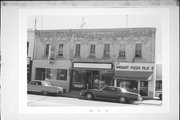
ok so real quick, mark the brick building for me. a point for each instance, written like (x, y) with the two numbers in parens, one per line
(91, 58)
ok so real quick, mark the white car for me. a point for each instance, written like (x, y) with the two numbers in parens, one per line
(44, 87)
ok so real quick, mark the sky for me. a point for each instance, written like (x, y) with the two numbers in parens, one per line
(99, 22)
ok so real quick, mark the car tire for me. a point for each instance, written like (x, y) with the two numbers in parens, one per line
(89, 96)
(122, 100)
(44, 92)
(160, 96)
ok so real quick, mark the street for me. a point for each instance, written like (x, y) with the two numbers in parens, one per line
(40, 100)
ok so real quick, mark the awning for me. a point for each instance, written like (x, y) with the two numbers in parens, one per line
(132, 75)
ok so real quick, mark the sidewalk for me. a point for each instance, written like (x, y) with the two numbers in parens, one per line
(76, 94)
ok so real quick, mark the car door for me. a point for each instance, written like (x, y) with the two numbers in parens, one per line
(111, 93)
(105, 93)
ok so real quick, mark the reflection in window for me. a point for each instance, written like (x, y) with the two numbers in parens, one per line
(40, 74)
(61, 74)
(79, 79)
(130, 85)
(106, 80)
(49, 74)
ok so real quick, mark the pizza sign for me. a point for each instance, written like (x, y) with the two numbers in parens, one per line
(134, 67)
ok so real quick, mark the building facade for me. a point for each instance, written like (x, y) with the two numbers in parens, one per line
(30, 49)
(92, 58)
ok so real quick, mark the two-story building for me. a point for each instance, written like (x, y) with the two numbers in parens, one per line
(92, 58)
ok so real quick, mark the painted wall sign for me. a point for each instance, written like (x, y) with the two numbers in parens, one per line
(134, 66)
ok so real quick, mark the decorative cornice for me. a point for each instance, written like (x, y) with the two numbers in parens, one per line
(53, 37)
(88, 36)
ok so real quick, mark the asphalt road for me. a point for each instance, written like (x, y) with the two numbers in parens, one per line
(40, 100)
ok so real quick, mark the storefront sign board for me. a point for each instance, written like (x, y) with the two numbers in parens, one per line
(93, 65)
(134, 66)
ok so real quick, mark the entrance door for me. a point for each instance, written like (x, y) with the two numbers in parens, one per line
(89, 79)
(144, 88)
(93, 79)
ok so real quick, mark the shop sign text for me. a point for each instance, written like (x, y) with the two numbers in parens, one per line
(134, 67)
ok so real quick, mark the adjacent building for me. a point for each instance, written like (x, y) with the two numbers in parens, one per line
(30, 49)
(92, 58)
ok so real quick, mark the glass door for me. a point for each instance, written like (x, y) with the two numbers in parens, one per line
(144, 88)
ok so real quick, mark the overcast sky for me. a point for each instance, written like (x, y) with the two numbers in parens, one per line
(100, 21)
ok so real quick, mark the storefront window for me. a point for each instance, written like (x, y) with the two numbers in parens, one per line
(79, 77)
(40, 74)
(106, 80)
(158, 85)
(144, 88)
(61, 74)
(130, 85)
(45, 74)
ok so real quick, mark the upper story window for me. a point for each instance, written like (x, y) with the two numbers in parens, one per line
(60, 53)
(122, 51)
(106, 50)
(138, 51)
(27, 48)
(77, 52)
(47, 50)
(92, 50)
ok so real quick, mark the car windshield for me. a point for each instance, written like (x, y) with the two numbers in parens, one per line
(46, 83)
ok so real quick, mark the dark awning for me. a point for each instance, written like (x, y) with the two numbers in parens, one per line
(132, 75)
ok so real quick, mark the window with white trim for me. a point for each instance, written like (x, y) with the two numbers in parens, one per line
(106, 50)
(92, 50)
(122, 51)
(60, 53)
(138, 51)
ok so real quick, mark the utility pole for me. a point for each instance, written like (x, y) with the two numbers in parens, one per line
(83, 23)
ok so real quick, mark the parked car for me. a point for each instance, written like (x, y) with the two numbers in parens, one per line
(158, 94)
(111, 92)
(44, 87)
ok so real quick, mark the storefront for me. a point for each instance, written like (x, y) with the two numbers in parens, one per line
(57, 72)
(135, 77)
(91, 75)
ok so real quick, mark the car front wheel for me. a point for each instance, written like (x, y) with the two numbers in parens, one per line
(89, 96)
(122, 99)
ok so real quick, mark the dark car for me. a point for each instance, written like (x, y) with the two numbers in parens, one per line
(111, 92)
